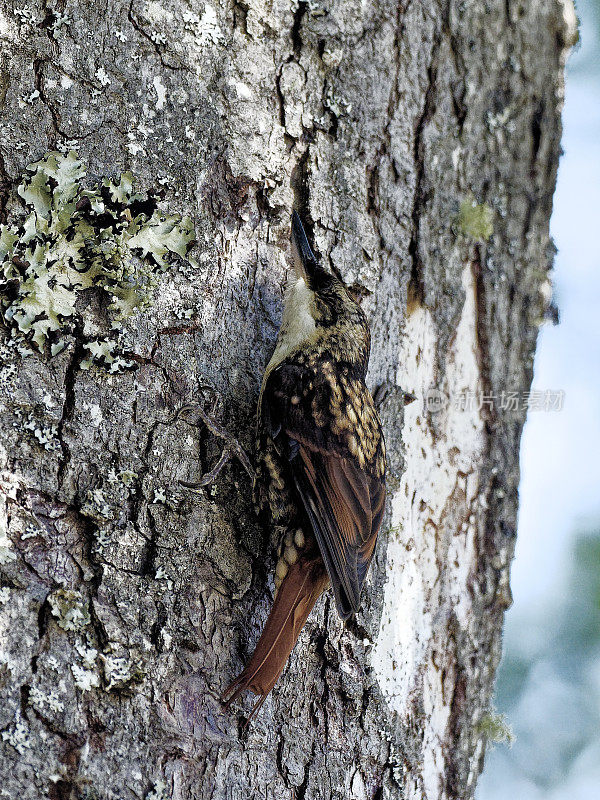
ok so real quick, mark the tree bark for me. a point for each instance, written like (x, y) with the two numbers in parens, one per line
(403, 133)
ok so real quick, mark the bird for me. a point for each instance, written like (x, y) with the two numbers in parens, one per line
(320, 460)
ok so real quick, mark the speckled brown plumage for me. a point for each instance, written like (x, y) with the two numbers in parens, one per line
(320, 461)
(320, 443)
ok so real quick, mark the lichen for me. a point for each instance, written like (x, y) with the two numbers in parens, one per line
(72, 239)
(104, 503)
(85, 679)
(6, 552)
(159, 496)
(475, 221)
(495, 728)
(70, 609)
(97, 506)
(88, 655)
(45, 701)
(18, 737)
(43, 432)
(158, 792)
(120, 671)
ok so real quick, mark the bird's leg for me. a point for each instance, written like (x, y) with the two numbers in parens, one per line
(232, 446)
(209, 477)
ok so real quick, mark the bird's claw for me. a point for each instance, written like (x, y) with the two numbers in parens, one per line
(232, 446)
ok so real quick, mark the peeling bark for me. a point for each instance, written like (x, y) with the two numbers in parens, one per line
(376, 120)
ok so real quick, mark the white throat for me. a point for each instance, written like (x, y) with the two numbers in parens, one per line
(298, 324)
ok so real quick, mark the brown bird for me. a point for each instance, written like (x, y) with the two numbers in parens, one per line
(320, 470)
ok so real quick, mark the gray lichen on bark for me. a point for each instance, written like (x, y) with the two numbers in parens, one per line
(127, 603)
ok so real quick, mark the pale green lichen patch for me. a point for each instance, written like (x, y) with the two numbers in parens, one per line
(45, 702)
(105, 502)
(18, 737)
(125, 476)
(45, 434)
(74, 239)
(120, 671)
(475, 221)
(97, 505)
(70, 609)
(85, 679)
(495, 728)
(105, 351)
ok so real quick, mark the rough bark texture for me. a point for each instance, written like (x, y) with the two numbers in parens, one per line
(375, 119)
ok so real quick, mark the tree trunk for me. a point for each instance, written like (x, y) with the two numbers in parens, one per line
(420, 143)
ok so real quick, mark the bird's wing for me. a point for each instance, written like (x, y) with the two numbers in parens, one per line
(343, 492)
(345, 507)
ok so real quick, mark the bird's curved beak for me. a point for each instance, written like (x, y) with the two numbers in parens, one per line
(304, 260)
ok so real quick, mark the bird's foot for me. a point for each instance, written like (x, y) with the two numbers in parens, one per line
(232, 446)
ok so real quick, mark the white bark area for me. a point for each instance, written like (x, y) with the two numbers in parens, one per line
(435, 517)
(126, 603)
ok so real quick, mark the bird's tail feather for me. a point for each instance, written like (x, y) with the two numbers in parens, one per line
(299, 591)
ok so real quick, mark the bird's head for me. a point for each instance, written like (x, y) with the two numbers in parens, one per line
(331, 304)
(319, 316)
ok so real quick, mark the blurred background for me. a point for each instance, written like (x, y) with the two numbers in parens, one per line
(548, 684)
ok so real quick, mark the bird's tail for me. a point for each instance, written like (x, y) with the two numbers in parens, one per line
(299, 591)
